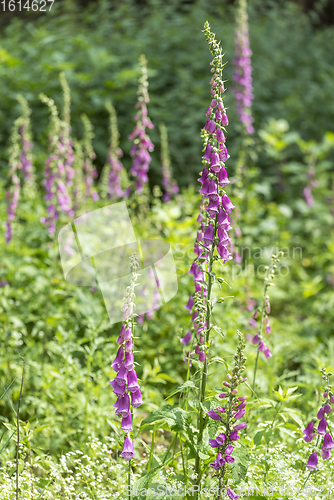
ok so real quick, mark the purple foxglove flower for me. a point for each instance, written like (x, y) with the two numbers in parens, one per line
(213, 103)
(221, 106)
(220, 409)
(127, 333)
(241, 406)
(127, 452)
(222, 217)
(208, 151)
(322, 427)
(240, 414)
(312, 462)
(133, 385)
(220, 135)
(205, 187)
(201, 356)
(121, 375)
(214, 443)
(227, 204)
(223, 395)
(223, 154)
(327, 408)
(136, 398)
(218, 115)
(226, 383)
(116, 364)
(332, 399)
(214, 415)
(220, 439)
(308, 438)
(212, 190)
(127, 423)
(326, 454)
(208, 111)
(119, 390)
(242, 398)
(212, 126)
(128, 346)
(215, 162)
(267, 352)
(229, 449)
(194, 316)
(214, 465)
(268, 329)
(328, 442)
(224, 119)
(122, 405)
(208, 235)
(224, 254)
(185, 340)
(207, 123)
(229, 459)
(223, 236)
(213, 208)
(231, 494)
(223, 179)
(204, 176)
(239, 427)
(256, 339)
(309, 429)
(321, 413)
(129, 361)
(220, 459)
(234, 436)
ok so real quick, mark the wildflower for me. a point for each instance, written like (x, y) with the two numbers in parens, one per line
(113, 173)
(90, 172)
(127, 452)
(328, 442)
(214, 415)
(56, 179)
(142, 143)
(312, 462)
(231, 494)
(243, 90)
(321, 413)
(322, 427)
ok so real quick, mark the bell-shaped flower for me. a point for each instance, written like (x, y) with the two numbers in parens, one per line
(312, 462)
(127, 452)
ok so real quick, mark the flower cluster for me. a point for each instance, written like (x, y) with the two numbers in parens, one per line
(143, 145)
(56, 177)
(111, 178)
(90, 172)
(232, 411)
(324, 439)
(170, 185)
(262, 313)
(125, 385)
(216, 205)
(243, 68)
(65, 136)
(20, 159)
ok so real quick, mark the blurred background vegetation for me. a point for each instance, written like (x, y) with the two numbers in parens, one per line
(98, 43)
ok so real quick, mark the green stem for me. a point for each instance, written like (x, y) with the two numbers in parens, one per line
(200, 422)
(151, 451)
(129, 480)
(169, 447)
(255, 369)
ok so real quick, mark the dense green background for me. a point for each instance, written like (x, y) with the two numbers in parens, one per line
(98, 48)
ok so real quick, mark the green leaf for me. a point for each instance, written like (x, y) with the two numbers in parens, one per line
(174, 417)
(258, 437)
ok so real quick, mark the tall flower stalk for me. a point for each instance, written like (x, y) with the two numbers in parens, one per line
(324, 442)
(20, 160)
(142, 144)
(65, 136)
(212, 238)
(90, 172)
(113, 171)
(169, 184)
(125, 385)
(261, 314)
(243, 88)
(232, 411)
(56, 177)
